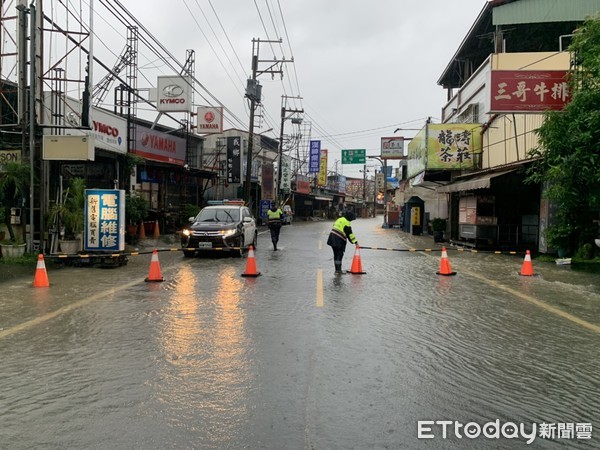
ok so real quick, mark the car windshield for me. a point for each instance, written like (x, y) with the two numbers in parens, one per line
(218, 215)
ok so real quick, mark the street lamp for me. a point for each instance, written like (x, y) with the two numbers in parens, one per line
(406, 129)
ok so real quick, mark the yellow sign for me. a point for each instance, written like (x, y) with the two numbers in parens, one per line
(322, 178)
(415, 215)
(453, 145)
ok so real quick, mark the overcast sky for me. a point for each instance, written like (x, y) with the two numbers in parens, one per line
(362, 69)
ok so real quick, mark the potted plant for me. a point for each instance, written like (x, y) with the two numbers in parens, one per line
(136, 210)
(438, 226)
(68, 216)
(14, 185)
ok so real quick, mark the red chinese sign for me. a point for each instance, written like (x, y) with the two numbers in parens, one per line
(528, 90)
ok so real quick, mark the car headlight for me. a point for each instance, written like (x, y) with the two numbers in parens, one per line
(186, 232)
(227, 233)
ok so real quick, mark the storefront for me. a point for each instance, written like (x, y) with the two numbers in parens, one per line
(164, 179)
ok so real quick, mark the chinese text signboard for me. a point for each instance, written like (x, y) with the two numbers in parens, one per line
(322, 177)
(234, 157)
(452, 146)
(105, 220)
(356, 156)
(314, 157)
(392, 147)
(286, 176)
(528, 90)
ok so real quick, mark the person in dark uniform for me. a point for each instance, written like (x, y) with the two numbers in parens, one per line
(340, 233)
(274, 223)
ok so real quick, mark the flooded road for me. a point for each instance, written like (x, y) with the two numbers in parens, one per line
(300, 358)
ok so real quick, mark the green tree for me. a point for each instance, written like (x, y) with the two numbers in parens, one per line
(569, 147)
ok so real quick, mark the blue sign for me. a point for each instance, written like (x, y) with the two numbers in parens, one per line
(314, 157)
(104, 220)
(264, 207)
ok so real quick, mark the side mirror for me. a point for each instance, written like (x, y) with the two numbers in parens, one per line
(191, 219)
(247, 219)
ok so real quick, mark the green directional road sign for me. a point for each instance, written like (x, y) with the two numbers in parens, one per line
(354, 156)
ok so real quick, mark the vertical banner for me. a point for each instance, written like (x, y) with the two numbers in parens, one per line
(267, 184)
(234, 153)
(322, 177)
(314, 157)
(104, 220)
(286, 174)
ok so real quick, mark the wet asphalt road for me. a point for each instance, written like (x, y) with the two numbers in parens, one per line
(298, 358)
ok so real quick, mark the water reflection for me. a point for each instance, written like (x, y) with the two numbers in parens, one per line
(207, 368)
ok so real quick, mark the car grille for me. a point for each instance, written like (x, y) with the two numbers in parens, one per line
(206, 234)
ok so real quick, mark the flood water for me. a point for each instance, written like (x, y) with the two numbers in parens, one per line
(299, 358)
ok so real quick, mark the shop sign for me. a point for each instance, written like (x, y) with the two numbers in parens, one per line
(108, 130)
(392, 147)
(158, 146)
(322, 177)
(174, 94)
(104, 220)
(234, 159)
(314, 157)
(210, 120)
(526, 91)
(453, 145)
(286, 174)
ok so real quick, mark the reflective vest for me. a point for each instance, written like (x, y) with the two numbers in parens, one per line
(339, 229)
(274, 216)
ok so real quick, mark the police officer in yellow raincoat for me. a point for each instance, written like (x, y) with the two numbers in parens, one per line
(274, 216)
(341, 232)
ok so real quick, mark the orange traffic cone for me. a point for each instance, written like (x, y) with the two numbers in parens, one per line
(142, 231)
(356, 267)
(154, 274)
(156, 230)
(41, 277)
(251, 265)
(527, 268)
(445, 268)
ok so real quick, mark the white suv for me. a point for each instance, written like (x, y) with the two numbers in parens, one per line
(229, 226)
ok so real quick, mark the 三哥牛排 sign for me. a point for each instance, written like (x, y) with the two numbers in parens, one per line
(528, 91)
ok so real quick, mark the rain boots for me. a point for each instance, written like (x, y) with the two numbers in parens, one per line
(338, 269)
(274, 246)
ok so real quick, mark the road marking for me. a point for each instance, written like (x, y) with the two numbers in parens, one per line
(540, 304)
(319, 288)
(534, 301)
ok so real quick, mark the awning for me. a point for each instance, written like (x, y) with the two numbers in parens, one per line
(327, 199)
(480, 182)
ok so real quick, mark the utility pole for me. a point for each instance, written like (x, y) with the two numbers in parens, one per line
(364, 186)
(253, 93)
(284, 117)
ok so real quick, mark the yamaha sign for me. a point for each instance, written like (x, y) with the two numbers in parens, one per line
(174, 94)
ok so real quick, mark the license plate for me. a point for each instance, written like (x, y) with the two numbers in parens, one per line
(204, 244)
